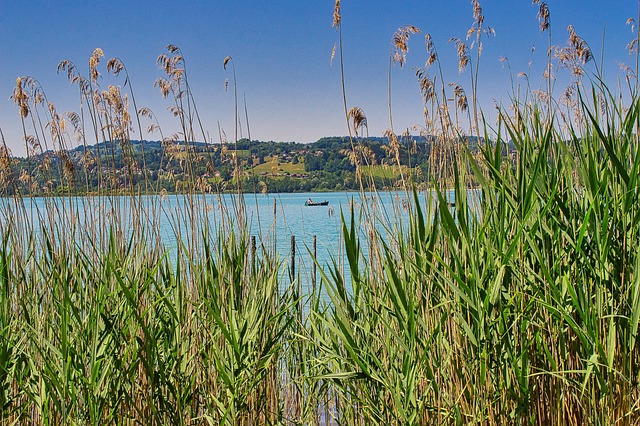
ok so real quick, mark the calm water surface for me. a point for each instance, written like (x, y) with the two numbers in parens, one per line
(272, 218)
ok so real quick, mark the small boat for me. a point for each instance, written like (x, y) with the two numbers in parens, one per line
(316, 203)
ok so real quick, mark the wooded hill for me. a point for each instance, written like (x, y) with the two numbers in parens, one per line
(152, 166)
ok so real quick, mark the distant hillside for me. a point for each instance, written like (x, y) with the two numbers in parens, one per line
(152, 166)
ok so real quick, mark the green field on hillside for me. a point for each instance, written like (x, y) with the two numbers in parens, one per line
(273, 165)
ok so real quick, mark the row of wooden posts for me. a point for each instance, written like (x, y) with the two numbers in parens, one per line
(292, 266)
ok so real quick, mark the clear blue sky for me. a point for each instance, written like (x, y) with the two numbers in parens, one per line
(282, 52)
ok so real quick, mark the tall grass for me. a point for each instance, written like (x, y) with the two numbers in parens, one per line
(517, 302)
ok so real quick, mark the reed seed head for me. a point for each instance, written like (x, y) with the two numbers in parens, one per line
(336, 15)
(68, 67)
(632, 47)
(32, 143)
(172, 48)
(460, 97)
(544, 17)
(427, 87)
(632, 22)
(478, 20)
(164, 85)
(400, 39)
(627, 70)
(462, 50)
(21, 98)
(333, 54)
(431, 50)
(394, 143)
(477, 12)
(579, 45)
(115, 66)
(574, 56)
(145, 112)
(5, 164)
(358, 119)
(94, 60)
(175, 110)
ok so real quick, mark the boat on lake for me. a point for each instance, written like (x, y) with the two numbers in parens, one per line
(310, 202)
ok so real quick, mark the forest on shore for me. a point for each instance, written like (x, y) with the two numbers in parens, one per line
(328, 164)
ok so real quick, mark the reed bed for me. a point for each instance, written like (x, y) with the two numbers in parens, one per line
(515, 302)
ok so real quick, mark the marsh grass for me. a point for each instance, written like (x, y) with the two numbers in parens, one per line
(517, 302)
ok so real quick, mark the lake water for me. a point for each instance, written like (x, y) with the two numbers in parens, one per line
(280, 216)
(272, 218)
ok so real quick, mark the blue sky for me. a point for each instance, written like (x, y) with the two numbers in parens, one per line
(282, 51)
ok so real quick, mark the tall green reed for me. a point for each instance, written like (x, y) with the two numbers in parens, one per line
(512, 303)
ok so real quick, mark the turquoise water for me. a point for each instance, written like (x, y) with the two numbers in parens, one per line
(291, 217)
(271, 218)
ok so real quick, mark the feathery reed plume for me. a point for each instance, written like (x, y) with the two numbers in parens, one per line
(394, 144)
(544, 17)
(477, 12)
(68, 167)
(478, 20)
(579, 45)
(263, 187)
(632, 22)
(32, 143)
(145, 112)
(460, 97)
(70, 68)
(164, 85)
(431, 50)
(632, 46)
(6, 174)
(172, 48)
(74, 118)
(398, 55)
(427, 88)
(21, 98)
(171, 63)
(400, 39)
(462, 50)
(225, 62)
(153, 127)
(337, 23)
(574, 56)
(94, 60)
(336, 15)
(478, 27)
(115, 66)
(358, 119)
(627, 70)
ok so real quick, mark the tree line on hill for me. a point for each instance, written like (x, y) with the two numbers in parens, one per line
(330, 164)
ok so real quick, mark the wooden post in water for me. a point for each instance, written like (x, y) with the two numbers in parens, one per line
(253, 253)
(293, 258)
(275, 226)
(313, 271)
